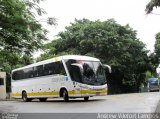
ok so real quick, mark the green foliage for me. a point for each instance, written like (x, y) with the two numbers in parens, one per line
(153, 63)
(155, 57)
(148, 75)
(151, 5)
(157, 45)
(112, 43)
(20, 33)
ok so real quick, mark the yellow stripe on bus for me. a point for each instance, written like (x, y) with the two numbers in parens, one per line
(72, 92)
(42, 93)
(93, 91)
(56, 93)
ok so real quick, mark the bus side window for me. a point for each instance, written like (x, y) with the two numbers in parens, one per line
(28, 73)
(31, 72)
(38, 71)
(59, 68)
(49, 69)
(17, 75)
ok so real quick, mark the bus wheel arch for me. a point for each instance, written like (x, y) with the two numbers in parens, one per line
(64, 94)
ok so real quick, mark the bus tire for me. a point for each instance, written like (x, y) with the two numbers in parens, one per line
(86, 98)
(42, 99)
(24, 97)
(65, 96)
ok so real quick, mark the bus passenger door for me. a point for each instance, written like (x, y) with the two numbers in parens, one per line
(77, 79)
(75, 72)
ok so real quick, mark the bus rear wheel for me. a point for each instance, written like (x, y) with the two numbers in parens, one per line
(65, 96)
(25, 98)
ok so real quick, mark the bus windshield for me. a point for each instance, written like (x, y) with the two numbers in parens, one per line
(92, 74)
(153, 81)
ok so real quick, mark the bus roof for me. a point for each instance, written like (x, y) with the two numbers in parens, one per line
(59, 58)
(150, 79)
(79, 57)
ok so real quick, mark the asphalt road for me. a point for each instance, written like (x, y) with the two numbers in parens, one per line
(125, 103)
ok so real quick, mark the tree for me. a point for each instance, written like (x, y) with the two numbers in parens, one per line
(112, 43)
(151, 5)
(156, 57)
(20, 33)
(157, 45)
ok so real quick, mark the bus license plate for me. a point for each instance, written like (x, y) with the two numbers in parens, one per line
(97, 93)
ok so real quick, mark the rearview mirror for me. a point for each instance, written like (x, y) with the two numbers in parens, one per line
(80, 66)
(108, 67)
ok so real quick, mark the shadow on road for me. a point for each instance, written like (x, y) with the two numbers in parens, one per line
(72, 101)
(61, 100)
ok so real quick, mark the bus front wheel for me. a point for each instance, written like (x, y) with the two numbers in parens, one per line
(25, 98)
(65, 96)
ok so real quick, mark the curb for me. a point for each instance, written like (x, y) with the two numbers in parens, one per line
(11, 99)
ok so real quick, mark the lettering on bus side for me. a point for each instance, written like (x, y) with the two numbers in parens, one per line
(57, 79)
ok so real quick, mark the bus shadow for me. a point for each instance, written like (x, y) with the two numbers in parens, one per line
(61, 101)
(75, 101)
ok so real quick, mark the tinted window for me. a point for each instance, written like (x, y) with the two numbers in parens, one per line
(49, 69)
(28, 73)
(38, 71)
(100, 75)
(14, 75)
(74, 71)
(41, 70)
(18, 75)
(88, 70)
(1, 81)
(59, 68)
(153, 81)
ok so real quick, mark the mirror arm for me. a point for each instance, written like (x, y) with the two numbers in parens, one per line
(109, 67)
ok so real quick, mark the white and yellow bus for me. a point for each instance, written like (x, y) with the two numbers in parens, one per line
(70, 76)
